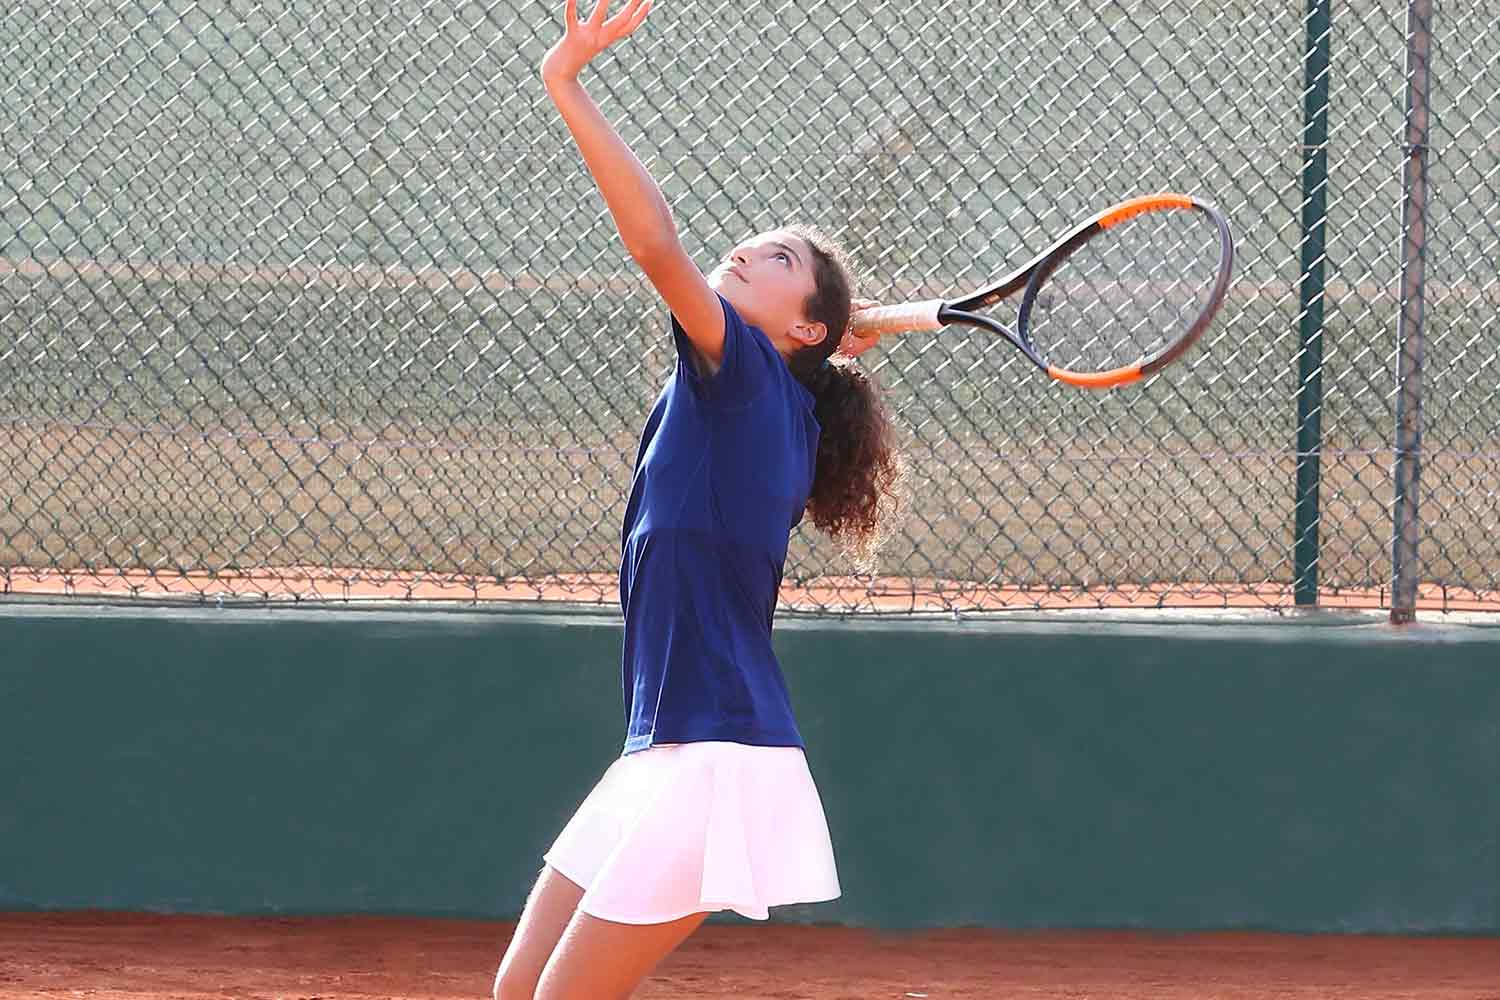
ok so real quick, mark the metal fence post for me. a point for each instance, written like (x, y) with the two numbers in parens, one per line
(1405, 565)
(1310, 293)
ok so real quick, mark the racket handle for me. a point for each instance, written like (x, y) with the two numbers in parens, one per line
(897, 319)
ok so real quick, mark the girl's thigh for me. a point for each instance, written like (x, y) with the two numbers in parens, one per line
(548, 910)
(601, 960)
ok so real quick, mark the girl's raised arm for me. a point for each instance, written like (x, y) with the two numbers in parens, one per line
(640, 211)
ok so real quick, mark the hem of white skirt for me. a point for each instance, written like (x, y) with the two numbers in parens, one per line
(750, 911)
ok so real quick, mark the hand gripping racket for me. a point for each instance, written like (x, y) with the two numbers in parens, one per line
(1120, 297)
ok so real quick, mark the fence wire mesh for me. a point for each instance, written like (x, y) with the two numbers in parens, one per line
(319, 301)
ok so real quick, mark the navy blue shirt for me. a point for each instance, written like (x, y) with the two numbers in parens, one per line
(722, 476)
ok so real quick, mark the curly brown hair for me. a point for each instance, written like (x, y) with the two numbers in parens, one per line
(855, 487)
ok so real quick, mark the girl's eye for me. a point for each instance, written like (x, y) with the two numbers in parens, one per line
(781, 255)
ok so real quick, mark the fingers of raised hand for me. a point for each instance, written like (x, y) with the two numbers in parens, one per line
(628, 19)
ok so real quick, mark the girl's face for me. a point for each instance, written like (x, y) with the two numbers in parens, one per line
(768, 279)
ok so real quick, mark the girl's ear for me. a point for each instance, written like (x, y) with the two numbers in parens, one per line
(809, 334)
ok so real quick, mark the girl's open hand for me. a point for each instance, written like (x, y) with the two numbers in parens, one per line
(585, 39)
(853, 346)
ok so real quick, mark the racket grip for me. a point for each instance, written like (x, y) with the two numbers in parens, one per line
(897, 319)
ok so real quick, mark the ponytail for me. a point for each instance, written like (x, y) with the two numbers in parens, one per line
(854, 489)
(859, 469)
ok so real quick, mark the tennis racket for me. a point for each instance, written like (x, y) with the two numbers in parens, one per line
(1118, 298)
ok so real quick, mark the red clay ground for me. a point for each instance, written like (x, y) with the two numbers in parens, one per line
(134, 957)
(314, 583)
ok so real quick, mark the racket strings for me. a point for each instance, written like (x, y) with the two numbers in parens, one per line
(1127, 294)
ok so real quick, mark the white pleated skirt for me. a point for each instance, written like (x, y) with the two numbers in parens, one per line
(699, 827)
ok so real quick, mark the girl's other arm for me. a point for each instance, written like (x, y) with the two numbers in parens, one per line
(635, 201)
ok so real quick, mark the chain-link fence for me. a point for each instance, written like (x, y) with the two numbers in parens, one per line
(319, 300)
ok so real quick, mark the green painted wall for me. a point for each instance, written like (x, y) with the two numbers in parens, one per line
(1313, 775)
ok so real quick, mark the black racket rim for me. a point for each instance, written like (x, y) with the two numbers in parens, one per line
(1146, 366)
(1035, 274)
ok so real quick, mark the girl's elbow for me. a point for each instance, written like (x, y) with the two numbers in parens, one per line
(650, 253)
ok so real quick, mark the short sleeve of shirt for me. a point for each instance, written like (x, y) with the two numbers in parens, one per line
(746, 369)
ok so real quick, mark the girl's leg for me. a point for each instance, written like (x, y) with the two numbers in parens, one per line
(542, 923)
(600, 960)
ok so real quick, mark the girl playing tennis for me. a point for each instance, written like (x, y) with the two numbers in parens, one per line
(711, 806)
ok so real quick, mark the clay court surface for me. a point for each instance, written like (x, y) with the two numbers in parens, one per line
(136, 957)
